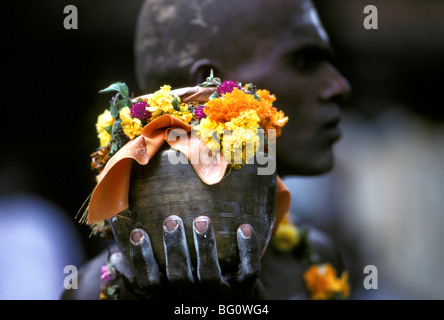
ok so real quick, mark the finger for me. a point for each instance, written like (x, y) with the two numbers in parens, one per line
(208, 269)
(121, 263)
(250, 266)
(123, 266)
(142, 257)
(178, 261)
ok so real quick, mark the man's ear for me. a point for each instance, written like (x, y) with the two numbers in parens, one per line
(201, 69)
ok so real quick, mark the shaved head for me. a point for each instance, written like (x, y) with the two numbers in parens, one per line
(172, 35)
(279, 45)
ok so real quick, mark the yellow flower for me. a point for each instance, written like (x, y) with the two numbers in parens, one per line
(343, 285)
(161, 101)
(209, 132)
(286, 237)
(132, 127)
(239, 145)
(237, 139)
(322, 283)
(104, 121)
(247, 119)
(183, 114)
(241, 141)
(186, 116)
(105, 138)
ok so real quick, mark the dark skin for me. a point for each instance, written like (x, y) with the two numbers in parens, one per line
(180, 278)
(141, 277)
(292, 60)
(295, 65)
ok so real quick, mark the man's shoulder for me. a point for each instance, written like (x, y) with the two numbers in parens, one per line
(282, 271)
(324, 248)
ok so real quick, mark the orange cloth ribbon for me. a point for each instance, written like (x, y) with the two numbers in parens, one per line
(110, 195)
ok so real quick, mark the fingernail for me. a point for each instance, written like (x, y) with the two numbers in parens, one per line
(201, 225)
(136, 236)
(115, 257)
(171, 224)
(246, 231)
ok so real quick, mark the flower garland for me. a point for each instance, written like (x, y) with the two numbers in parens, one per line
(320, 279)
(230, 122)
(110, 289)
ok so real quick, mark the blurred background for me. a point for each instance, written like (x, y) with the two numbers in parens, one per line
(383, 202)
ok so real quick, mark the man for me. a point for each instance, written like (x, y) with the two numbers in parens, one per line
(278, 45)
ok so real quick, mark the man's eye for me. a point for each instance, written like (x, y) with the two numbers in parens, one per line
(304, 63)
(307, 60)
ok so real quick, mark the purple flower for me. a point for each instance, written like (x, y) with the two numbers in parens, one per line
(139, 111)
(227, 87)
(106, 275)
(199, 113)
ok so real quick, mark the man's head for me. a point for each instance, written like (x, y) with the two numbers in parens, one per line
(279, 45)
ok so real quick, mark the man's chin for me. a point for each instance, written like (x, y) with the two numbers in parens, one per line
(307, 167)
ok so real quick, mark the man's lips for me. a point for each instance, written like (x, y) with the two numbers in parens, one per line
(332, 123)
(331, 128)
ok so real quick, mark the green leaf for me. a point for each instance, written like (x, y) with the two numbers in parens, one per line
(215, 95)
(119, 87)
(249, 87)
(210, 81)
(121, 104)
(118, 137)
(112, 291)
(114, 149)
(109, 129)
(175, 103)
(207, 84)
(261, 133)
(113, 108)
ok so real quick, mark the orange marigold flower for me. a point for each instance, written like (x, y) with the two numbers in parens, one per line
(234, 103)
(266, 97)
(270, 117)
(322, 283)
(230, 106)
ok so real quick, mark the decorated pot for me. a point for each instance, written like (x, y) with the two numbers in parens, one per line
(138, 186)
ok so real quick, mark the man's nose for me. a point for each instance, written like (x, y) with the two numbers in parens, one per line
(336, 88)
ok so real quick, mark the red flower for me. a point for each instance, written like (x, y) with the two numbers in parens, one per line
(139, 111)
(199, 113)
(227, 87)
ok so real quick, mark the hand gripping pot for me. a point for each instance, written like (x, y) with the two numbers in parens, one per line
(162, 189)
